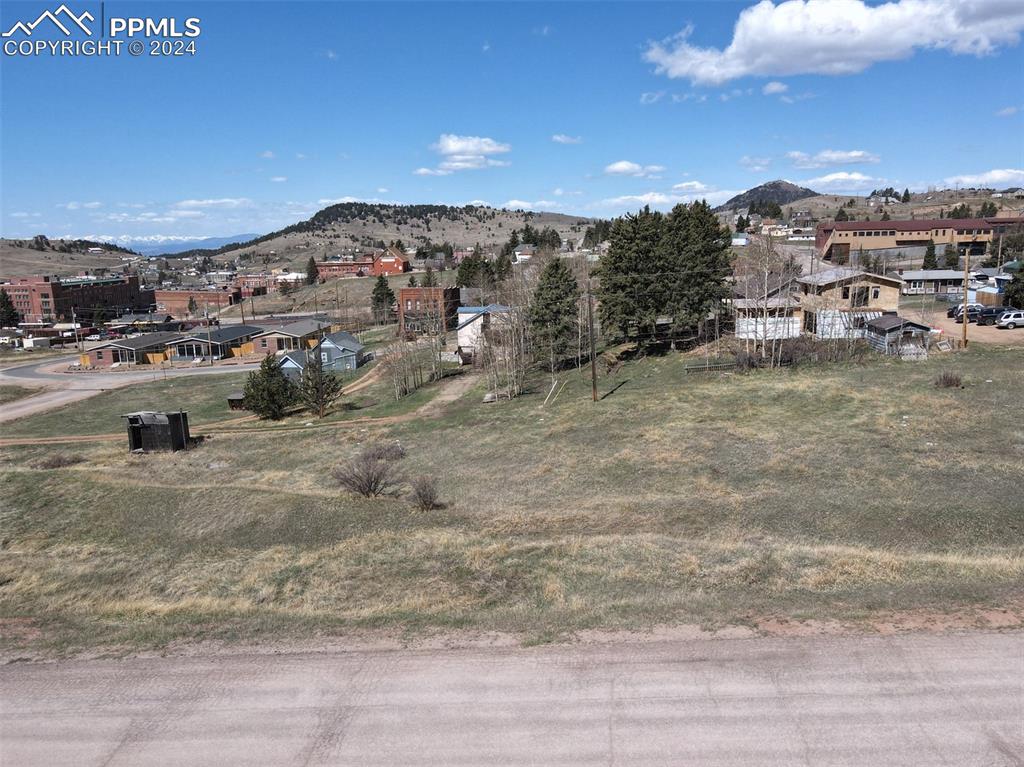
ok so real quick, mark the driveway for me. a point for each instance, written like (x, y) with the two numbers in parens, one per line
(955, 699)
(60, 388)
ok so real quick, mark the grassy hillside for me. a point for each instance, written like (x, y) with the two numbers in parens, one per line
(17, 259)
(823, 492)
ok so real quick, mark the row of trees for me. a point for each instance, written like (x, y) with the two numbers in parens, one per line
(270, 394)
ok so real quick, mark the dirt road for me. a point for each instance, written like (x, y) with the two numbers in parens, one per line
(906, 700)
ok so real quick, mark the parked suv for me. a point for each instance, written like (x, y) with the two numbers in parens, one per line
(956, 309)
(991, 314)
(1011, 320)
(973, 310)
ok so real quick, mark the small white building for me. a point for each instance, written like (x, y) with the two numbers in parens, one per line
(472, 322)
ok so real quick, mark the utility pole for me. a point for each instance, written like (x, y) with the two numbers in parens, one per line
(593, 359)
(209, 341)
(963, 316)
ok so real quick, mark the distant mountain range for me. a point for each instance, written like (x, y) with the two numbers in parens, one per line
(779, 191)
(167, 246)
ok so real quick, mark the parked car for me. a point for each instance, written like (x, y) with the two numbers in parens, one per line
(973, 310)
(1011, 320)
(990, 314)
(94, 337)
(956, 309)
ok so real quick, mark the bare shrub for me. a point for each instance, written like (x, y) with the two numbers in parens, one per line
(372, 472)
(424, 493)
(58, 461)
(746, 361)
(949, 380)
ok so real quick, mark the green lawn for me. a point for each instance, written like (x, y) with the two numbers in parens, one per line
(839, 491)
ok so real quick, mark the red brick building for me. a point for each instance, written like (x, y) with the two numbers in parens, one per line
(392, 261)
(421, 310)
(50, 299)
(176, 302)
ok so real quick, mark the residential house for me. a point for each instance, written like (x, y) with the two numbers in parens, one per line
(918, 282)
(293, 363)
(147, 349)
(302, 334)
(340, 352)
(524, 252)
(473, 321)
(432, 310)
(768, 318)
(836, 303)
(218, 343)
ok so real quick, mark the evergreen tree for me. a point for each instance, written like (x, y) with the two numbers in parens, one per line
(842, 215)
(502, 266)
(285, 288)
(930, 261)
(1014, 295)
(628, 306)
(906, 196)
(950, 258)
(382, 299)
(319, 388)
(429, 278)
(412, 281)
(312, 273)
(268, 392)
(9, 316)
(987, 210)
(885, 216)
(553, 313)
(475, 272)
(193, 307)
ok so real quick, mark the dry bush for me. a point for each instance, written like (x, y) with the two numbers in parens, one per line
(372, 472)
(424, 493)
(949, 380)
(58, 461)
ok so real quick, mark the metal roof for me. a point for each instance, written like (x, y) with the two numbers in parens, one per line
(221, 335)
(344, 340)
(932, 274)
(145, 341)
(840, 273)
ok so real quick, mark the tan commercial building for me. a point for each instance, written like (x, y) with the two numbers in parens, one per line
(836, 241)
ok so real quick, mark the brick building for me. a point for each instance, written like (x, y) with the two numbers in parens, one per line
(837, 240)
(45, 298)
(176, 302)
(421, 310)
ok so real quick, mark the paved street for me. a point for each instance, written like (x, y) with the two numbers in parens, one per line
(60, 388)
(909, 700)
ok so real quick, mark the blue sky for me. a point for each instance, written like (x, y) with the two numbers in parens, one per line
(590, 109)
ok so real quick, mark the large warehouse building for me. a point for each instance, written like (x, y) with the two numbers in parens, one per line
(837, 240)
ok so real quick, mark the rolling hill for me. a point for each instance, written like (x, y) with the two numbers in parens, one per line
(782, 192)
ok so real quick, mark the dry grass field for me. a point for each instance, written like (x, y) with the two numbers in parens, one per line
(18, 260)
(825, 492)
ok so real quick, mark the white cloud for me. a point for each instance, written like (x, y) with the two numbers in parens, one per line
(756, 164)
(278, 179)
(827, 157)
(267, 155)
(485, 47)
(651, 97)
(222, 202)
(838, 37)
(527, 205)
(691, 186)
(543, 31)
(999, 177)
(1007, 111)
(663, 199)
(842, 181)
(300, 156)
(465, 153)
(382, 190)
(21, 214)
(330, 55)
(561, 138)
(627, 168)
(774, 88)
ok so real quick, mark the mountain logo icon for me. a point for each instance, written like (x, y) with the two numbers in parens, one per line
(62, 12)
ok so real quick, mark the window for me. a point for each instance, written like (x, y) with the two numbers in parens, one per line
(876, 292)
(99, 355)
(860, 297)
(846, 294)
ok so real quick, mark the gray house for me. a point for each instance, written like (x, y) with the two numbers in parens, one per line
(340, 352)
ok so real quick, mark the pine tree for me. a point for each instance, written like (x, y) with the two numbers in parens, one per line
(627, 275)
(553, 313)
(381, 300)
(502, 266)
(694, 256)
(312, 273)
(318, 389)
(412, 281)
(9, 316)
(885, 216)
(842, 215)
(193, 307)
(285, 288)
(950, 258)
(930, 261)
(429, 278)
(1014, 295)
(268, 392)
(906, 196)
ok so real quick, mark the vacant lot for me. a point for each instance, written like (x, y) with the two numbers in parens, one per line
(821, 492)
(12, 393)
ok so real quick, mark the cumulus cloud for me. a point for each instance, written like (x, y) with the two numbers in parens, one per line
(842, 181)
(691, 186)
(627, 168)
(827, 157)
(527, 205)
(756, 164)
(774, 88)
(838, 37)
(999, 177)
(561, 138)
(663, 200)
(464, 153)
